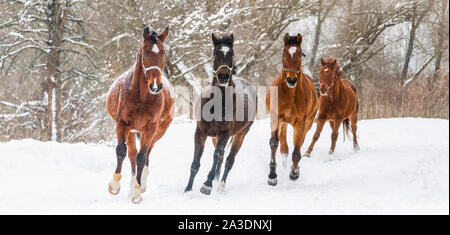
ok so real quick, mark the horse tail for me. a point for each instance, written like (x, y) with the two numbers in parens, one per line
(346, 126)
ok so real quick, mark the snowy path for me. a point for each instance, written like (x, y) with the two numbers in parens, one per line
(402, 167)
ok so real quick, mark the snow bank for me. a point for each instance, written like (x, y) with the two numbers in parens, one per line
(402, 167)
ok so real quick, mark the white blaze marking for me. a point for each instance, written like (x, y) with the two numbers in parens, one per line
(325, 70)
(225, 50)
(292, 50)
(155, 48)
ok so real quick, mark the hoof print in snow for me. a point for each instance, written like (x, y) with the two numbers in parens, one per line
(205, 190)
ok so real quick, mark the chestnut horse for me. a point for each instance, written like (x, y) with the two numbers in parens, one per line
(294, 102)
(140, 100)
(233, 114)
(338, 103)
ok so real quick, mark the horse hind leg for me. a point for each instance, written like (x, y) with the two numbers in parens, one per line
(219, 161)
(235, 147)
(353, 122)
(218, 153)
(284, 149)
(121, 152)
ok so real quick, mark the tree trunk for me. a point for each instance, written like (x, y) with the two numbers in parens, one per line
(316, 42)
(442, 27)
(55, 35)
(412, 35)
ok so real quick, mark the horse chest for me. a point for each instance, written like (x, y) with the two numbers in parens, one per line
(143, 113)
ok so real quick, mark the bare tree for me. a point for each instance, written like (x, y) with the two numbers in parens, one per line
(55, 33)
(323, 10)
(419, 10)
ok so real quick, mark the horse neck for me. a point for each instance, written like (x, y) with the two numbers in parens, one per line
(336, 90)
(139, 86)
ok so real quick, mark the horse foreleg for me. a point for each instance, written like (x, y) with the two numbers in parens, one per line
(334, 134)
(284, 149)
(299, 138)
(199, 139)
(235, 147)
(319, 128)
(121, 152)
(222, 140)
(132, 151)
(141, 162)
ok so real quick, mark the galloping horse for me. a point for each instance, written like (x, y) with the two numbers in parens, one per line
(140, 100)
(295, 103)
(233, 98)
(338, 103)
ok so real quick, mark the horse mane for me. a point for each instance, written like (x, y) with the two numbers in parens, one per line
(292, 40)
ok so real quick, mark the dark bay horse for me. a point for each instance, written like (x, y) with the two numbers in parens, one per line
(226, 109)
(140, 100)
(338, 103)
(294, 102)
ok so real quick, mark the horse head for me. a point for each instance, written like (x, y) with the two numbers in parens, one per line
(292, 59)
(152, 58)
(223, 59)
(329, 74)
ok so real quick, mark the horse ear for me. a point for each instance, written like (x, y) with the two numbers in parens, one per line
(232, 38)
(146, 33)
(215, 39)
(162, 36)
(286, 39)
(322, 62)
(299, 39)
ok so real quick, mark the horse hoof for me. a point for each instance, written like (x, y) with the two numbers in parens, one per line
(356, 148)
(114, 185)
(221, 187)
(272, 182)
(295, 172)
(284, 156)
(113, 191)
(137, 199)
(143, 189)
(187, 189)
(205, 190)
(293, 176)
(307, 155)
(331, 152)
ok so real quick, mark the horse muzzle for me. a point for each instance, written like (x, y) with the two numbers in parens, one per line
(223, 79)
(291, 83)
(323, 89)
(155, 89)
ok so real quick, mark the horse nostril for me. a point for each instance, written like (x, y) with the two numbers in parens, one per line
(159, 86)
(223, 77)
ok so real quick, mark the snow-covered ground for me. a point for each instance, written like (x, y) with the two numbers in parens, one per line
(402, 167)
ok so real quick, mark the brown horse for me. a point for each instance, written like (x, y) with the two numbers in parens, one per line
(140, 100)
(338, 103)
(232, 115)
(294, 102)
